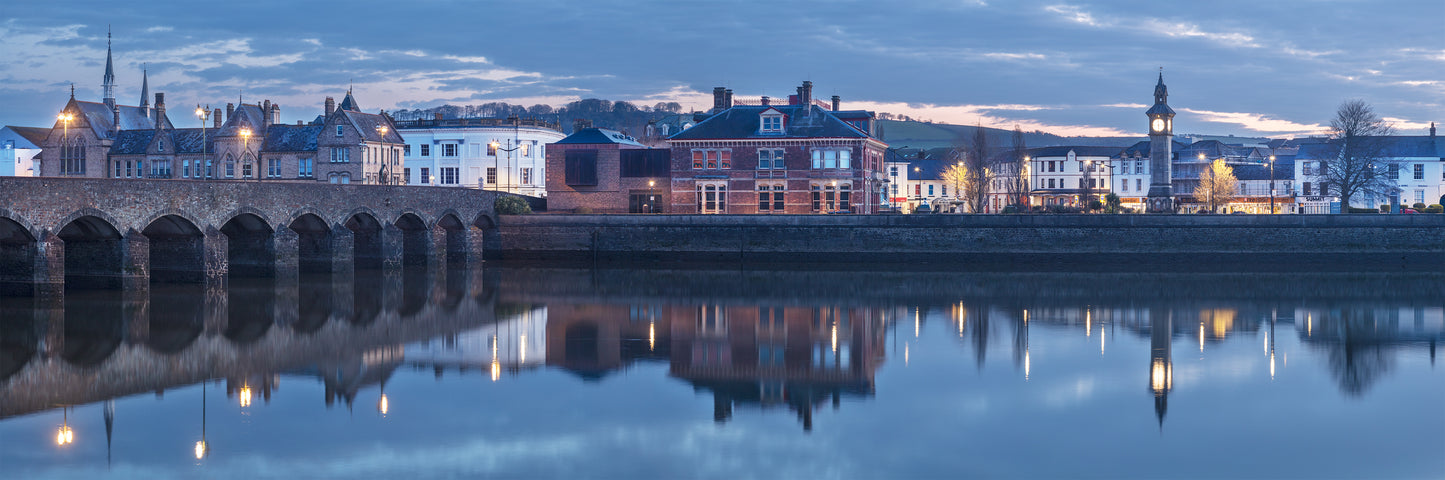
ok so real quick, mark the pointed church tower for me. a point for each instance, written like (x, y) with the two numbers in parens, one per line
(1161, 150)
(108, 83)
(145, 93)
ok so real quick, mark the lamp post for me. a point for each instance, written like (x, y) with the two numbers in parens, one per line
(509, 149)
(245, 149)
(918, 192)
(65, 118)
(1271, 181)
(203, 114)
(382, 174)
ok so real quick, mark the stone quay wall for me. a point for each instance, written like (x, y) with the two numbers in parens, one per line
(1411, 241)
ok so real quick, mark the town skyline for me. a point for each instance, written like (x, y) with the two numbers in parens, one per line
(961, 63)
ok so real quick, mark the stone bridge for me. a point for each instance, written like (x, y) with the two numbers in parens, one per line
(106, 233)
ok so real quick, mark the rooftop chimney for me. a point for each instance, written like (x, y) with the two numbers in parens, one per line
(728, 98)
(767, 101)
(1432, 129)
(230, 110)
(330, 106)
(580, 124)
(298, 123)
(216, 118)
(115, 122)
(160, 110)
(835, 103)
(265, 114)
(275, 113)
(805, 95)
(717, 98)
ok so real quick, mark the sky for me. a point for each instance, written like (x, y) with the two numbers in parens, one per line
(1068, 67)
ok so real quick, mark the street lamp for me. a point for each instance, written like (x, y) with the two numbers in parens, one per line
(245, 152)
(382, 174)
(1271, 182)
(203, 114)
(66, 152)
(651, 205)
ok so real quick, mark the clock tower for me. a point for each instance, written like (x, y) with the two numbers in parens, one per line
(1161, 150)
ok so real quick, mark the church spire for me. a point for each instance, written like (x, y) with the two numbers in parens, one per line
(1161, 92)
(108, 82)
(145, 90)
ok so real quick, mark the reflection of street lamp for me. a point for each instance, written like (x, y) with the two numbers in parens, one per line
(202, 448)
(203, 114)
(64, 435)
(245, 395)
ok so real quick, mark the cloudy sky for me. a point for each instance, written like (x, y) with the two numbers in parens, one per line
(1072, 67)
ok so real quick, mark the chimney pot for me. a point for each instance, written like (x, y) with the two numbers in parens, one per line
(835, 103)
(330, 106)
(160, 109)
(717, 98)
(807, 93)
(728, 98)
(230, 110)
(766, 101)
(216, 118)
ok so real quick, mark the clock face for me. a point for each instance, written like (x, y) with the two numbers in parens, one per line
(1158, 124)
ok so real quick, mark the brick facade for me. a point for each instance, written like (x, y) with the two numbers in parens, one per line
(613, 192)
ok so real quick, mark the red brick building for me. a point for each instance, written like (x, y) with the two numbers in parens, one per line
(604, 171)
(800, 156)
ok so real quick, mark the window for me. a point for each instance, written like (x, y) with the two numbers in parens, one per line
(210, 169)
(425, 178)
(185, 169)
(712, 197)
(770, 158)
(526, 149)
(712, 159)
(406, 150)
(1051, 183)
(1419, 195)
(832, 158)
(892, 171)
(1138, 185)
(230, 169)
(246, 170)
(645, 163)
(304, 168)
(1138, 166)
(161, 169)
(491, 175)
(930, 190)
(580, 167)
(526, 176)
(425, 150)
(339, 131)
(845, 194)
(273, 168)
(449, 175)
(945, 189)
(406, 176)
(1394, 170)
(1420, 171)
(449, 149)
(117, 169)
(1305, 187)
(1124, 185)
(492, 148)
(772, 124)
(161, 145)
(72, 159)
(340, 155)
(770, 198)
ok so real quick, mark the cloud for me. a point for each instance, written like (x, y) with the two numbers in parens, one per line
(455, 58)
(1258, 122)
(1190, 30)
(1015, 56)
(1405, 124)
(1125, 105)
(986, 116)
(159, 29)
(1077, 15)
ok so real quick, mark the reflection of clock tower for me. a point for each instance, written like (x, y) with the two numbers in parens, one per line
(1161, 150)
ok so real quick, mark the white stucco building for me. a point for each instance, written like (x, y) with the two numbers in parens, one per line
(18, 148)
(504, 154)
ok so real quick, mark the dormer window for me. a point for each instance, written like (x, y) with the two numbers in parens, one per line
(772, 121)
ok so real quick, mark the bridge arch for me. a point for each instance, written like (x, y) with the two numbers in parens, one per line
(313, 241)
(456, 237)
(177, 247)
(365, 229)
(416, 238)
(17, 252)
(250, 243)
(94, 250)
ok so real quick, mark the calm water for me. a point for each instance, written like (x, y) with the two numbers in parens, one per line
(531, 372)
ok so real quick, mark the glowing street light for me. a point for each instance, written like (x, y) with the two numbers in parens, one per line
(383, 174)
(203, 114)
(64, 435)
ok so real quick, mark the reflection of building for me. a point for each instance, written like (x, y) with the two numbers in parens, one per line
(1161, 361)
(517, 342)
(595, 340)
(773, 356)
(1361, 343)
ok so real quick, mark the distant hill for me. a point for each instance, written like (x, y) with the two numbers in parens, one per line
(921, 135)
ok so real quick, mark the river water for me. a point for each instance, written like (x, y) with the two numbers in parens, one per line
(530, 372)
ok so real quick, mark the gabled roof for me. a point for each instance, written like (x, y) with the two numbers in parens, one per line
(349, 103)
(101, 119)
(743, 121)
(599, 136)
(291, 138)
(367, 124)
(189, 140)
(35, 135)
(1142, 148)
(245, 116)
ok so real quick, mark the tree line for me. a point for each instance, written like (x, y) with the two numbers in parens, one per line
(622, 116)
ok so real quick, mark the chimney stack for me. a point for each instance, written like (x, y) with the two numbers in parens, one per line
(330, 106)
(767, 101)
(160, 109)
(230, 110)
(275, 113)
(581, 123)
(835, 103)
(728, 98)
(1432, 129)
(717, 98)
(805, 95)
(216, 118)
(265, 115)
(115, 122)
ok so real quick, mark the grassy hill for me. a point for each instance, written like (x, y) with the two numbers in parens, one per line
(920, 135)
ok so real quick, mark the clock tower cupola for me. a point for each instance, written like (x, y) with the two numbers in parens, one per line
(1161, 150)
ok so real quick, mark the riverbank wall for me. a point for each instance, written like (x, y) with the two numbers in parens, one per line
(1126, 241)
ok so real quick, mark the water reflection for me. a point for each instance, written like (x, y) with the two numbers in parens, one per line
(789, 342)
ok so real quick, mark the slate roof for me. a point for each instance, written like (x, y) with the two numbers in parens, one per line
(1283, 169)
(1399, 146)
(1142, 148)
(366, 123)
(1082, 151)
(101, 119)
(600, 136)
(349, 103)
(132, 142)
(35, 135)
(743, 121)
(188, 140)
(291, 138)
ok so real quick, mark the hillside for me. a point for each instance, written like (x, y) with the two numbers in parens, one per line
(914, 135)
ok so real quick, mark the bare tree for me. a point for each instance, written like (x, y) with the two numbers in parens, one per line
(955, 177)
(1217, 185)
(977, 174)
(1357, 148)
(1013, 168)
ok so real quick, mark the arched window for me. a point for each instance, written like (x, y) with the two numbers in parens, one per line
(72, 157)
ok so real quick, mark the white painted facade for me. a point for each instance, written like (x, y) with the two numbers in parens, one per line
(494, 156)
(17, 154)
